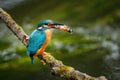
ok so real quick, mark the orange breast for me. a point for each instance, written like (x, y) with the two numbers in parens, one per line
(48, 38)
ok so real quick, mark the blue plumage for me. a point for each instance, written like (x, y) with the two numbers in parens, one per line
(36, 40)
(40, 37)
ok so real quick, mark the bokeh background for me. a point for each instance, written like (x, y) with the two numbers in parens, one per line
(93, 48)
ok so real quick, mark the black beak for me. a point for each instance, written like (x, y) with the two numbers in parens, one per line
(57, 24)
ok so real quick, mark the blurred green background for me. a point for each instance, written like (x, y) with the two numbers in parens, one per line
(93, 48)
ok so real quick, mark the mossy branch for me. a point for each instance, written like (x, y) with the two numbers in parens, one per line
(58, 68)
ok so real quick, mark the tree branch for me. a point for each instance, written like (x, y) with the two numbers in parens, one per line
(57, 67)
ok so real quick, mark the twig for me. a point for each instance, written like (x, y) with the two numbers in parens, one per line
(58, 68)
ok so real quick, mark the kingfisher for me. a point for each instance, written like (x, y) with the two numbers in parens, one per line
(41, 36)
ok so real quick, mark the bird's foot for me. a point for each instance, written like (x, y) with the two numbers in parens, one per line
(43, 54)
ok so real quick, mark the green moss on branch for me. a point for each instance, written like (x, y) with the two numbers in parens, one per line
(13, 26)
(68, 72)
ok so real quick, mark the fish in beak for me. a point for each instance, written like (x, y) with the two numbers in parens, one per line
(61, 27)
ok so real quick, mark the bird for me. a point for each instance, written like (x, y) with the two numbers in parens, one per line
(41, 36)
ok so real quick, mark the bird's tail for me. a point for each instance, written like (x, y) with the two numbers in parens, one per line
(31, 56)
(32, 60)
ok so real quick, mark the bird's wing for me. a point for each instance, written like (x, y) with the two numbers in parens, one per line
(36, 40)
